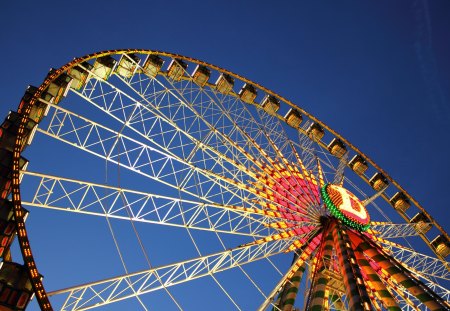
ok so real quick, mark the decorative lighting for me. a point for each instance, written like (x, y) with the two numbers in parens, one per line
(357, 219)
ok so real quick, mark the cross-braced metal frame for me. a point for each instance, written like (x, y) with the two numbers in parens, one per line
(206, 151)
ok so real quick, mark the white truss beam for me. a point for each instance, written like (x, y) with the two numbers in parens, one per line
(71, 195)
(240, 155)
(191, 112)
(145, 160)
(426, 266)
(391, 230)
(108, 291)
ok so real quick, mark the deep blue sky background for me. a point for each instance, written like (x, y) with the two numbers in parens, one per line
(376, 72)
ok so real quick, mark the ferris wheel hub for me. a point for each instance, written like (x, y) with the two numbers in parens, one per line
(345, 206)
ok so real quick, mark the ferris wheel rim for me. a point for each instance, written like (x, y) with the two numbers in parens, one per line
(25, 247)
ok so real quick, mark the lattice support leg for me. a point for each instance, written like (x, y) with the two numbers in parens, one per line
(400, 274)
(319, 298)
(354, 284)
(376, 284)
(289, 294)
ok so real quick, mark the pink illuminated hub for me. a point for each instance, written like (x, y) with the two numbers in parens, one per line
(291, 194)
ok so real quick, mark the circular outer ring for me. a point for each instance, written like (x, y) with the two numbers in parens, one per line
(35, 278)
(337, 213)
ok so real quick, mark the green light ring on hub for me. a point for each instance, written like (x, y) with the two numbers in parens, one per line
(336, 212)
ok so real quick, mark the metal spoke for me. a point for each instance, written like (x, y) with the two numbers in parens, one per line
(339, 176)
(71, 195)
(239, 152)
(373, 197)
(426, 266)
(140, 158)
(390, 230)
(104, 292)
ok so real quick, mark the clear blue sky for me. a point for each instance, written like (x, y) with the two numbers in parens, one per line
(376, 72)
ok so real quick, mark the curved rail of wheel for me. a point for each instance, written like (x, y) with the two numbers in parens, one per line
(25, 247)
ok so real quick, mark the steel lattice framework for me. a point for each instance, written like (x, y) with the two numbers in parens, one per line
(191, 148)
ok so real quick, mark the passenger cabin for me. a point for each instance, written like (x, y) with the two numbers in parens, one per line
(10, 128)
(39, 109)
(358, 164)
(422, 221)
(127, 65)
(315, 131)
(80, 75)
(441, 245)
(270, 104)
(7, 225)
(59, 87)
(103, 67)
(247, 93)
(176, 69)
(293, 118)
(201, 75)
(6, 161)
(337, 148)
(15, 286)
(224, 83)
(152, 65)
(378, 182)
(400, 202)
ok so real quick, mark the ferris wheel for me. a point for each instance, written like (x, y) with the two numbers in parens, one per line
(158, 181)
